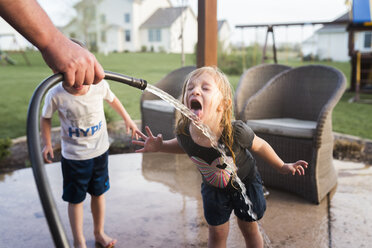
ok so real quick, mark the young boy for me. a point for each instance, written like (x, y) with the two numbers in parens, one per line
(85, 144)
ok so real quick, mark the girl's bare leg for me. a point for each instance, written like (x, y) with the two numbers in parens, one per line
(218, 235)
(251, 234)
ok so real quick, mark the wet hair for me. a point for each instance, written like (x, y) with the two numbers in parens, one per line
(224, 86)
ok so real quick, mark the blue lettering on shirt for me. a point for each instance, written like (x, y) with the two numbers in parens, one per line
(70, 132)
(85, 133)
(94, 129)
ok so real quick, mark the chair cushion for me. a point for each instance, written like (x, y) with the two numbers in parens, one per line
(285, 127)
(158, 105)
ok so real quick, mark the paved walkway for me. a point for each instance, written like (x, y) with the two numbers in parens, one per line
(154, 201)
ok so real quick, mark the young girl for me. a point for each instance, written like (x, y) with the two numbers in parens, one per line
(207, 93)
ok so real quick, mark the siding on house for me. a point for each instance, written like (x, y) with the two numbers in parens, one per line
(224, 34)
(162, 31)
(331, 41)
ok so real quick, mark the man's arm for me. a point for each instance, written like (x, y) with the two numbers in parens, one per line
(77, 64)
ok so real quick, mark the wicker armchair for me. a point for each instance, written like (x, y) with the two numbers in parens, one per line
(158, 114)
(293, 113)
(252, 81)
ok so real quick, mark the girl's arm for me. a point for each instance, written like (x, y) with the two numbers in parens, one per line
(156, 144)
(45, 126)
(265, 151)
(129, 123)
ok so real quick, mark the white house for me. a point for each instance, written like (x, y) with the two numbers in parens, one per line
(10, 39)
(331, 41)
(224, 35)
(112, 25)
(131, 25)
(163, 31)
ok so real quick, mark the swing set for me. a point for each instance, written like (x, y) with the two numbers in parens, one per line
(4, 56)
(270, 30)
(361, 61)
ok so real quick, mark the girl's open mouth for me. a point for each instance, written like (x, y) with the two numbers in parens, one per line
(196, 107)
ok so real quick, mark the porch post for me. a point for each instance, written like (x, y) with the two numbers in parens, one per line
(207, 33)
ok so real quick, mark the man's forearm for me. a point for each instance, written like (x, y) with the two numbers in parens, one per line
(29, 19)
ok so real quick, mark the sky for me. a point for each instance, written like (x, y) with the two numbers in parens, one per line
(238, 12)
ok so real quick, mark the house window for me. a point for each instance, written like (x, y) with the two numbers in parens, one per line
(157, 35)
(92, 38)
(103, 36)
(154, 35)
(103, 19)
(89, 13)
(367, 39)
(127, 35)
(127, 18)
(151, 35)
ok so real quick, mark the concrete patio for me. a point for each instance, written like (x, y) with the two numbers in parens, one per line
(155, 201)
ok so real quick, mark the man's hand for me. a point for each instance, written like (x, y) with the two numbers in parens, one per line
(77, 64)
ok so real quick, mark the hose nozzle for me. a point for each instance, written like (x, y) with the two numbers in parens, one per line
(131, 81)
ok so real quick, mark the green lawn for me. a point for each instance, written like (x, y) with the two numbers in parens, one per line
(18, 83)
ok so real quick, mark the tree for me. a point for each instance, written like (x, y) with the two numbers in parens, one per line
(183, 3)
(86, 21)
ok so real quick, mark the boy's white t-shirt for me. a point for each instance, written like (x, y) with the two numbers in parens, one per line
(83, 124)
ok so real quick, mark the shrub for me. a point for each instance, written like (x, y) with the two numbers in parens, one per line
(351, 150)
(161, 49)
(4, 147)
(232, 63)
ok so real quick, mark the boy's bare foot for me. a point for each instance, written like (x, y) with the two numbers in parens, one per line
(105, 241)
(80, 244)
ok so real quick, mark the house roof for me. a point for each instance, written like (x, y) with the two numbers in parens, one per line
(330, 28)
(338, 26)
(220, 23)
(163, 17)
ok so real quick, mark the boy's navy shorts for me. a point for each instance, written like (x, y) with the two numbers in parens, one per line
(82, 176)
(218, 204)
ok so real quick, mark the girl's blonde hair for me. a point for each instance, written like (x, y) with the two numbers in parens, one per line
(224, 86)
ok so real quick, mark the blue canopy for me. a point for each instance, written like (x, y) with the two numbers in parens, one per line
(361, 11)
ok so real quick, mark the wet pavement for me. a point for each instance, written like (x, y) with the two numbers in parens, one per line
(155, 201)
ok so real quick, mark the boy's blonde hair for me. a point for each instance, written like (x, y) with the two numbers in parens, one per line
(224, 86)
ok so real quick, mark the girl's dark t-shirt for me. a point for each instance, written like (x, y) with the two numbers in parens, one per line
(243, 138)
